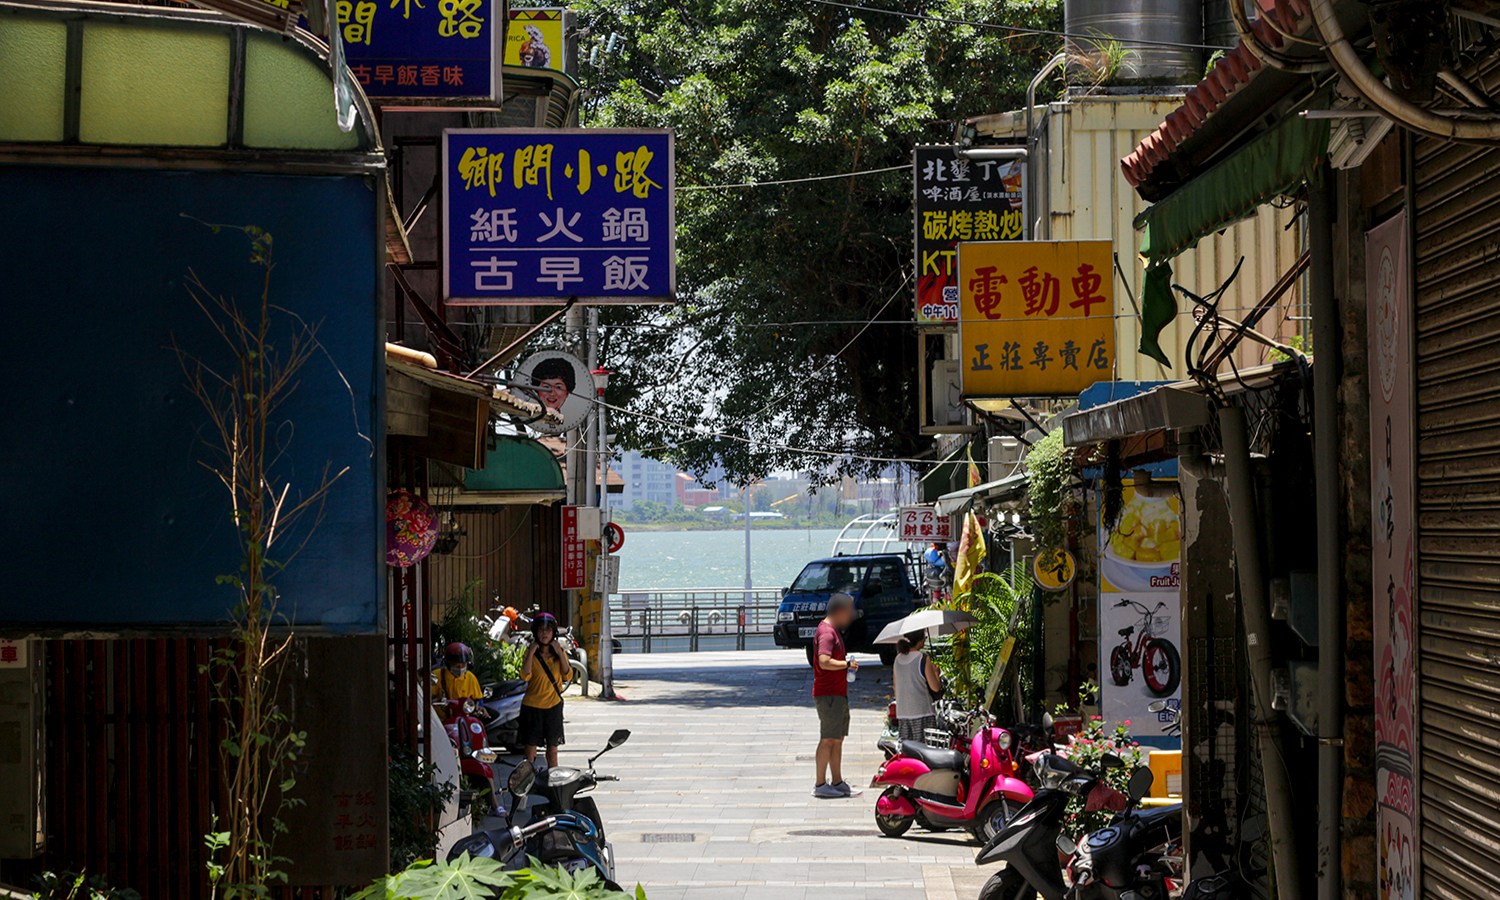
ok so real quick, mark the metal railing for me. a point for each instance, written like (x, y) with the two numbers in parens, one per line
(692, 615)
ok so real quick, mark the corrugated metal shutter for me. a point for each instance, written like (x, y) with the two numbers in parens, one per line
(1458, 504)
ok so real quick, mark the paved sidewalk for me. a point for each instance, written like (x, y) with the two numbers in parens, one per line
(715, 793)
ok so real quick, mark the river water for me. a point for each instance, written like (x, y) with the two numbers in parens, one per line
(664, 560)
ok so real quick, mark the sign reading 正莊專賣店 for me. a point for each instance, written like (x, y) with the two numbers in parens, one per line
(1036, 318)
(958, 200)
(543, 215)
(450, 49)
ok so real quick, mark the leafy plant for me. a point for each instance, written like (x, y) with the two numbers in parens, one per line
(1049, 466)
(968, 664)
(1087, 748)
(77, 886)
(476, 878)
(415, 801)
(460, 624)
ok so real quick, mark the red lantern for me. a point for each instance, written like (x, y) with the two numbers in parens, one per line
(411, 528)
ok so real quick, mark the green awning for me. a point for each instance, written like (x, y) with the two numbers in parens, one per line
(1277, 162)
(517, 469)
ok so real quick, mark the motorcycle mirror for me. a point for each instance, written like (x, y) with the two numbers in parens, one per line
(522, 777)
(1156, 706)
(1047, 722)
(1140, 782)
(1065, 845)
(1111, 761)
(620, 736)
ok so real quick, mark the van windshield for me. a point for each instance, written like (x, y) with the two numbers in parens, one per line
(831, 576)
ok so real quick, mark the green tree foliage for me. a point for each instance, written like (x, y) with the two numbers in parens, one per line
(493, 660)
(474, 878)
(767, 90)
(415, 800)
(993, 604)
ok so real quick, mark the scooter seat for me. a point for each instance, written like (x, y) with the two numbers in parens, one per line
(508, 688)
(932, 757)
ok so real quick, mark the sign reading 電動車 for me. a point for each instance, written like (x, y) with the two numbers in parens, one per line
(544, 215)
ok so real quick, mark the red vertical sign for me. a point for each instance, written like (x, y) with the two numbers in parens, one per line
(1393, 570)
(572, 550)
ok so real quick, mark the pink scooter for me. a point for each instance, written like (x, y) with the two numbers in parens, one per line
(939, 789)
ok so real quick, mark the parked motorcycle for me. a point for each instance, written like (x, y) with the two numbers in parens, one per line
(515, 627)
(973, 788)
(566, 790)
(1149, 651)
(467, 733)
(512, 845)
(502, 702)
(1130, 859)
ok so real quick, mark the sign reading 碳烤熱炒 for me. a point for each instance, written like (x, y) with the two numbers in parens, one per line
(958, 200)
(544, 215)
(424, 49)
(1036, 318)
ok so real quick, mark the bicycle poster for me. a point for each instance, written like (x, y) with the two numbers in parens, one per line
(1139, 609)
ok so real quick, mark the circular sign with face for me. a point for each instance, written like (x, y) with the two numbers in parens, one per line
(559, 381)
(1054, 570)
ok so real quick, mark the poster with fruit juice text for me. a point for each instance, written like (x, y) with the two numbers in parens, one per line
(1140, 582)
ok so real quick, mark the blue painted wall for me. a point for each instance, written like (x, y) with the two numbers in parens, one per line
(108, 517)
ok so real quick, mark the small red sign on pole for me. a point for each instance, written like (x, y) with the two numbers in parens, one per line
(572, 550)
(923, 524)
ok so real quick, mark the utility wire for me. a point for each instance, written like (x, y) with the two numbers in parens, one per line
(1014, 29)
(751, 184)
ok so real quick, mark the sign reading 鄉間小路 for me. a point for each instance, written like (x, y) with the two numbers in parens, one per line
(421, 49)
(542, 215)
(1036, 318)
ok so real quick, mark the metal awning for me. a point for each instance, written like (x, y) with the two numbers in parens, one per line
(1004, 489)
(1180, 404)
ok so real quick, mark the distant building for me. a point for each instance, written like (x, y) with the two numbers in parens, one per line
(691, 493)
(647, 479)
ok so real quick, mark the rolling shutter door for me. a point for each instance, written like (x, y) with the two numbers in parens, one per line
(1457, 272)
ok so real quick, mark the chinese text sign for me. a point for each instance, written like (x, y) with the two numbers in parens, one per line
(542, 215)
(573, 564)
(958, 200)
(423, 48)
(1036, 318)
(1392, 557)
(923, 524)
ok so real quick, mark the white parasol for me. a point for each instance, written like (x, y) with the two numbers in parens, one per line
(933, 621)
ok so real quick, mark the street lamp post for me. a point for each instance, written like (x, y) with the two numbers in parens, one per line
(606, 638)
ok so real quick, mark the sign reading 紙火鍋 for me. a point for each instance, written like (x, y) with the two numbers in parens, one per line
(958, 200)
(543, 215)
(1036, 318)
(450, 49)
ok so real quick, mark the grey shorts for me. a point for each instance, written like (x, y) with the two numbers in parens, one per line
(833, 717)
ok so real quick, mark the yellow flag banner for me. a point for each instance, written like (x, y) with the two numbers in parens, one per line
(971, 551)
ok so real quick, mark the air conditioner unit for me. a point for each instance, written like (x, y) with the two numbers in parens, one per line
(1005, 453)
(1352, 140)
(947, 400)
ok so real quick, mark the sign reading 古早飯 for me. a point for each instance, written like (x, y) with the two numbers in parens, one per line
(449, 49)
(1036, 318)
(924, 524)
(958, 200)
(542, 215)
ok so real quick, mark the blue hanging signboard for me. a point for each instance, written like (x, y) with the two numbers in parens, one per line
(424, 49)
(535, 215)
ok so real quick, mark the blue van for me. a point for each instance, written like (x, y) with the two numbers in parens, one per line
(883, 588)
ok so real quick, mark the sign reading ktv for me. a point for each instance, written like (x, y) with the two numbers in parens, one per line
(1036, 318)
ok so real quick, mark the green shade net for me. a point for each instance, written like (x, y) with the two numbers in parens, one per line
(1277, 162)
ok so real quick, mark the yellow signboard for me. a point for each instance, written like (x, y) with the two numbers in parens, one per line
(1036, 318)
(535, 39)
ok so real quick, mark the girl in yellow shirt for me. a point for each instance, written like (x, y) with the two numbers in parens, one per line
(545, 668)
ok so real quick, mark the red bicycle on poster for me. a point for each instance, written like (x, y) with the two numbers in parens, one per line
(1156, 656)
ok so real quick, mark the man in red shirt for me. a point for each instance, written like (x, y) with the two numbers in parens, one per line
(831, 676)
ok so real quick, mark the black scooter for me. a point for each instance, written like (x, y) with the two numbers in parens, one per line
(565, 788)
(1123, 859)
(513, 845)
